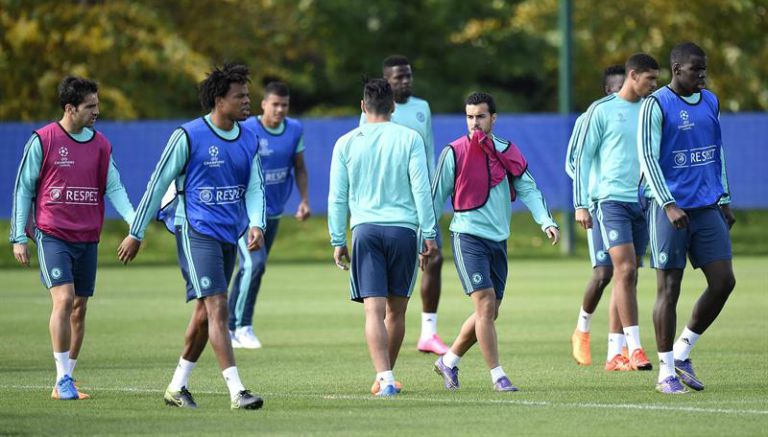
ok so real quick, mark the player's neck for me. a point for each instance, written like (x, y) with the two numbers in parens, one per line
(680, 91)
(221, 121)
(377, 118)
(270, 123)
(70, 126)
(627, 93)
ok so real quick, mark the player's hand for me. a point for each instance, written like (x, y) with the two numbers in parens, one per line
(21, 253)
(430, 250)
(303, 212)
(553, 234)
(255, 238)
(583, 218)
(341, 257)
(128, 249)
(730, 219)
(676, 216)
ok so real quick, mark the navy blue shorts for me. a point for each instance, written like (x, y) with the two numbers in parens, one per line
(598, 253)
(623, 223)
(62, 262)
(206, 263)
(704, 240)
(384, 260)
(481, 263)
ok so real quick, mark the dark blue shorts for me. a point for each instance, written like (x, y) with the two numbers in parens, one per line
(481, 263)
(206, 263)
(598, 253)
(384, 260)
(62, 262)
(704, 240)
(623, 223)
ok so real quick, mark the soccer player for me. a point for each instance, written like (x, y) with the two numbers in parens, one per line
(607, 144)
(379, 178)
(281, 150)
(602, 269)
(66, 171)
(414, 113)
(483, 174)
(681, 155)
(215, 167)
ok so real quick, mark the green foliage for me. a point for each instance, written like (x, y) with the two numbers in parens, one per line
(148, 55)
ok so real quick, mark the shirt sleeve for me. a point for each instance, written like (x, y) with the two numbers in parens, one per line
(300, 144)
(420, 188)
(587, 146)
(570, 153)
(117, 195)
(255, 202)
(25, 188)
(531, 196)
(338, 197)
(170, 166)
(443, 180)
(429, 143)
(648, 146)
(362, 119)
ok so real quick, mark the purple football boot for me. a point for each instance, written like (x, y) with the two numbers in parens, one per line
(450, 375)
(671, 385)
(684, 369)
(504, 384)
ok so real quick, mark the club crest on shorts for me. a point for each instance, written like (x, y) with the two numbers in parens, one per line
(601, 255)
(56, 273)
(613, 235)
(205, 282)
(477, 278)
(663, 257)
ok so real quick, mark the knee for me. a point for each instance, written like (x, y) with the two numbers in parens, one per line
(626, 271)
(602, 276)
(63, 302)
(667, 292)
(725, 285)
(435, 263)
(79, 309)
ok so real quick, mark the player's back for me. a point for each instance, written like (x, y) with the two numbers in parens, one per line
(377, 157)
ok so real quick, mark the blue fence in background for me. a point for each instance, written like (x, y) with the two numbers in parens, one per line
(542, 138)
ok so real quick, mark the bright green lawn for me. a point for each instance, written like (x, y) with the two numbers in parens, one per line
(314, 370)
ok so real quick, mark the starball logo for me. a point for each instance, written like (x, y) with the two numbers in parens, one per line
(214, 161)
(64, 160)
(685, 124)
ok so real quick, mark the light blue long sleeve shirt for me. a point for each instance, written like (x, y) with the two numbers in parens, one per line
(491, 221)
(647, 148)
(607, 145)
(571, 152)
(379, 176)
(415, 114)
(169, 170)
(25, 188)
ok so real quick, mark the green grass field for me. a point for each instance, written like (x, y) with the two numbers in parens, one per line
(314, 371)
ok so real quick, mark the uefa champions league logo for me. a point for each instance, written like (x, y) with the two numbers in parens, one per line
(64, 160)
(686, 124)
(63, 152)
(214, 161)
(264, 149)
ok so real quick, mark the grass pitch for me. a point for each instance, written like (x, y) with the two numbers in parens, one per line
(314, 371)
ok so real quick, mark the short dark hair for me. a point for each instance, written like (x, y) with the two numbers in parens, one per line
(477, 98)
(395, 61)
(74, 89)
(277, 88)
(682, 52)
(217, 83)
(641, 62)
(378, 97)
(613, 70)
